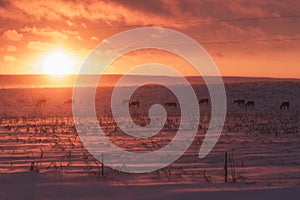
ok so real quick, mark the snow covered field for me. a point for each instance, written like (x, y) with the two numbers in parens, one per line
(42, 156)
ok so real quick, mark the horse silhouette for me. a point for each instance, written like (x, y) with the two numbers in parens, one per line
(250, 104)
(41, 102)
(239, 102)
(68, 102)
(203, 101)
(285, 105)
(171, 104)
(134, 104)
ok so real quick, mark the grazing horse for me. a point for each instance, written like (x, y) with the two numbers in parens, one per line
(134, 104)
(41, 102)
(285, 105)
(171, 104)
(203, 101)
(250, 104)
(239, 102)
(68, 102)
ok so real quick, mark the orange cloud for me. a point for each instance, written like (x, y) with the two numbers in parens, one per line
(47, 32)
(79, 38)
(94, 38)
(108, 12)
(12, 35)
(69, 23)
(39, 46)
(9, 59)
(11, 48)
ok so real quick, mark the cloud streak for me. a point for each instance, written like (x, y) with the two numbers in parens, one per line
(46, 32)
(12, 35)
(39, 46)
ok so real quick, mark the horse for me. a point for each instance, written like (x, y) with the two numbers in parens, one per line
(239, 102)
(250, 104)
(171, 104)
(134, 104)
(285, 105)
(203, 101)
(41, 102)
(68, 102)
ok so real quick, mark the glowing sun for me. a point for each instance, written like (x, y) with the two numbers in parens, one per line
(58, 62)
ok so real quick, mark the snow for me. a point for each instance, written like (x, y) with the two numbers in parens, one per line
(263, 142)
(37, 186)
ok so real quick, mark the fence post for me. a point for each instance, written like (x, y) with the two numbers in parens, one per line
(102, 167)
(225, 168)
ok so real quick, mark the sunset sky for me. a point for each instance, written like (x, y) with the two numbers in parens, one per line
(244, 38)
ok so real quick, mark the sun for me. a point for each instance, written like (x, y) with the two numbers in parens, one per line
(58, 62)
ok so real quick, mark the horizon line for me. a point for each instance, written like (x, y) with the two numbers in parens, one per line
(227, 76)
